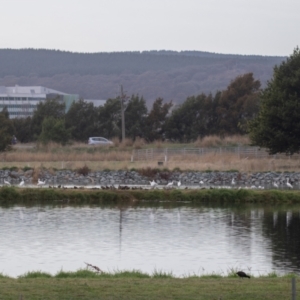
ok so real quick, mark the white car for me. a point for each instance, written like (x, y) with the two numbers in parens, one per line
(99, 141)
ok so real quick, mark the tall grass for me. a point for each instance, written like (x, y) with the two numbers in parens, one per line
(84, 273)
(35, 274)
(119, 156)
(205, 163)
(217, 141)
(3, 276)
(162, 274)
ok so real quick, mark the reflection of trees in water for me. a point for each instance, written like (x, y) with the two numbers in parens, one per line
(122, 208)
(244, 222)
(282, 229)
(239, 228)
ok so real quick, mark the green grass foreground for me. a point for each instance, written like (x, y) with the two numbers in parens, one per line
(85, 284)
(34, 196)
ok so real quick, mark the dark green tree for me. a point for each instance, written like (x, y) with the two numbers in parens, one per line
(82, 118)
(135, 116)
(193, 119)
(237, 105)
(49, 108)
(156, 120)
(5, 112)
(23, 129)
(277, 125)
(6, 130)
(110, 119)
(54, 130)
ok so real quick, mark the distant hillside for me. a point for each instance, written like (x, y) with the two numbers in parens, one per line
(152, 74)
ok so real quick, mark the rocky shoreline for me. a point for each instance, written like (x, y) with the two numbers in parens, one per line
(124, 177)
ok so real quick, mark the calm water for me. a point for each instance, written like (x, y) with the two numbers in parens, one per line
(183, 240)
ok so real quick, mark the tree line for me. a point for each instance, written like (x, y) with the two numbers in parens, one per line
(225, 113)
(45, 62)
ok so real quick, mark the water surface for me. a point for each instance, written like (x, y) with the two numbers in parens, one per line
(184, 240)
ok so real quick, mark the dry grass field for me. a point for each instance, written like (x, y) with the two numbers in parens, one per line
(120, 156)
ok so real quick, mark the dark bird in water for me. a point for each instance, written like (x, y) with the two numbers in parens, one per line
(242, 274)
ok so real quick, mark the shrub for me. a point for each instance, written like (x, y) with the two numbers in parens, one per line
(84, 170)
(148, 172)
(26, 168)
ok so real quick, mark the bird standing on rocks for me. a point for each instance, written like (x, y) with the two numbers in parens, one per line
(169, 185)
(40, 182)
(288, 184)
(6, 182)
(153, 184)
(275, 184)
(242, 274)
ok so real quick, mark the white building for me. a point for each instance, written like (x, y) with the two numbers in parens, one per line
(21, 101)
(95, 102)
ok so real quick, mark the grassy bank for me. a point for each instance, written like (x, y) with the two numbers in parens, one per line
(85, 284)
(36, 196)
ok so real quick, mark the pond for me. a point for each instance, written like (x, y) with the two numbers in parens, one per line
(180, 239)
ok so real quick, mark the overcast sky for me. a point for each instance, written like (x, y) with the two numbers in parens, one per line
(263, 27)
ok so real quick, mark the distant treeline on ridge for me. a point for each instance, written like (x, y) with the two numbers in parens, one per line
(170, 75)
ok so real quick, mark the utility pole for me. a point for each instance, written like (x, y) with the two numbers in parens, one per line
(122, 113)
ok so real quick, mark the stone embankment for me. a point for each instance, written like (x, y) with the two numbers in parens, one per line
(188, 178)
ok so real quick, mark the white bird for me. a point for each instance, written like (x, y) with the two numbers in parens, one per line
(275, 184)
(6, 182)
(201, 182)
(288, 184)
(233, 181)
(22, 182)
(40, 182)
(153, 184)
(179, 183)
(170, 184)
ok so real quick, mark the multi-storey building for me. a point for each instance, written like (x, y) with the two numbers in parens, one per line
(21, 101)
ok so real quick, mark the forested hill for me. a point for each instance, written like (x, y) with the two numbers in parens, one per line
(151, 74)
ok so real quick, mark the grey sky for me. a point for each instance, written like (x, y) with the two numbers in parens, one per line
(263, 27)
